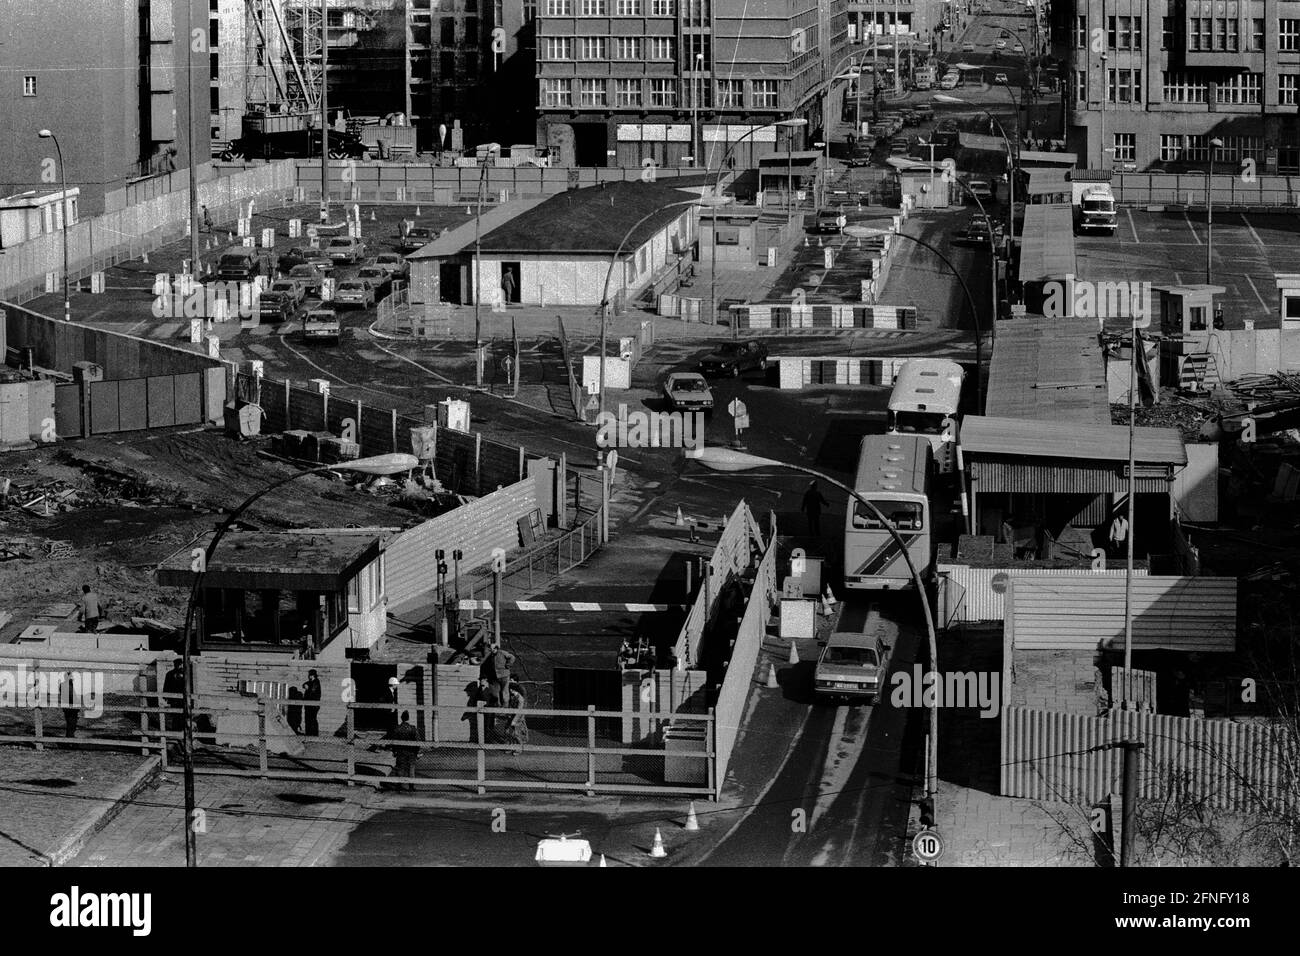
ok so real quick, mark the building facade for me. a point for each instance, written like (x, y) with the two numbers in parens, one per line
(1151, 86)
(109, 80)
(679, 82)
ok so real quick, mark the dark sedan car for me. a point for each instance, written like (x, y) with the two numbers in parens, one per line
(733, 358)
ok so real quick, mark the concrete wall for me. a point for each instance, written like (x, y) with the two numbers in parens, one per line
(1196, 486)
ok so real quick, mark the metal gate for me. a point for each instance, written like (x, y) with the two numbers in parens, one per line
(577, 688)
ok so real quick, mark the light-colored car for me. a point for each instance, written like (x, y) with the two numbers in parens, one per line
(688, 392)
(357, 292)
(309, 277)
(321, 325)
(1000, 78)
(851, 667)
(395, 263)
(950, 81)
(380, 279)
(1000, 45)
(968, 47)
(346, 249)
(291, 288)
(1018, 48)
(980, 189)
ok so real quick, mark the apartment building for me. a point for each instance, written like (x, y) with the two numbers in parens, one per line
(109, 80)
(676, 82)
(1151, 85)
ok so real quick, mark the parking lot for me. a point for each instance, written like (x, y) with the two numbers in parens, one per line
(1169, 248)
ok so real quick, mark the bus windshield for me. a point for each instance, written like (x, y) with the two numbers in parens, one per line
(904, 515)
(925, 423)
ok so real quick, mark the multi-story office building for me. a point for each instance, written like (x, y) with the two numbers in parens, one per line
(622, 82)
(109, 80)
(1151, 85)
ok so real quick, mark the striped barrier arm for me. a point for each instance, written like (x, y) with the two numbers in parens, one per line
(466, 605)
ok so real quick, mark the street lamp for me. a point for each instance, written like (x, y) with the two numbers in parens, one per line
(713, 216)
(63, 180)
(618, 251)
(866, 232)
(727, 460)
(377, 465)
(1215, 143)
(696, 145)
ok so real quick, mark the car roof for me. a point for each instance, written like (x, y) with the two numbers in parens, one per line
(851, 639)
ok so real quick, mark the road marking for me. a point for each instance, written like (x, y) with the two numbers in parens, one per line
(422, 368)
(164, 331)
(1262, 303)
(1132, 225)
(1253, 233)
(1188, 220)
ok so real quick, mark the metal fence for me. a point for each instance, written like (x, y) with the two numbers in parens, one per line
(575, 390)
(1244, 767)
(542, 563)
(1190, 189)
(562, 750)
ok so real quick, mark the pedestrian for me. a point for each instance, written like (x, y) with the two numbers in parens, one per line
(174, 685)
(508, 285)
(1118, 534)
(89, 609)
(482, 692)
(499, 662)
(390, 698)
(293, 713)
(207, 220)
(405, 751)
(311, 691)
(68, 697)
(516, 725)
(813, 501)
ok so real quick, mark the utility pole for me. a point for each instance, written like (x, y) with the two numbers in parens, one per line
(324, 111)
(476, 291)
(189, 133)
(1129, 835)
(1132, 493)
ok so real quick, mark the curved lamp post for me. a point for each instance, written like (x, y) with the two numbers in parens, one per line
(63, 180)
(377, 465)
(604, 296)
(727, 460)
(866, 232)
(713, 218)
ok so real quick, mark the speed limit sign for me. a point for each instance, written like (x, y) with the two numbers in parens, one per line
(928, 846)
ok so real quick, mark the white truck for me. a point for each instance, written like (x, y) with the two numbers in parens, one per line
(1094, 207)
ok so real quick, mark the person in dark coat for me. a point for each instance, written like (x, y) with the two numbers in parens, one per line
(174, 683)
(390, 697)
(311, 691)
(498, 662)
(404, 751)
(812, 505)
(68, 697)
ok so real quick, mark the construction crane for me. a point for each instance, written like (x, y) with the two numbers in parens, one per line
(283, 63)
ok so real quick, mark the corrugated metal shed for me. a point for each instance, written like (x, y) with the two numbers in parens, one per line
(1074, 478)
(969, 594)
(1047, 242)
(988, 435)
(270, 560)
(1050, 369)
(1087, 613)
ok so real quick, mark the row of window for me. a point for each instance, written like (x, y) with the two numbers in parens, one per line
(1177, 146)
(621, 8)
(1204, 34)
(763, 94)
(1125, 86)
(599, 48)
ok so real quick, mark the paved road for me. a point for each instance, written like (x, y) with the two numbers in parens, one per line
(850, 769)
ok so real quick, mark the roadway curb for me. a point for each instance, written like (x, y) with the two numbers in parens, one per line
(77, 839)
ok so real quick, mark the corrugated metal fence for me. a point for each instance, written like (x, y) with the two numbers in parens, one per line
(1189, 189)
(1065, 758)
(968, 594)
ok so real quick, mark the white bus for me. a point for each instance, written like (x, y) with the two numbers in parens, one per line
(925, 399)
(894, 475)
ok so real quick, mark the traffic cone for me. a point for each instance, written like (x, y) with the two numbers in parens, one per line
(828, 600)
(602, 860)
(692, 821)
(805, 242)
(144, 257)
(417, 212)
(819, 242)
(681, 519)
(771, 677)
(467, 212)
(794, 652)
(657, 852)
(372, 215)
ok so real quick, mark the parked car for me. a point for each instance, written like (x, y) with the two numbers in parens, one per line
(310, 277)
(291, 288)
(346, 249)
(380, 279)
(924, 113)
(394, 262)
(851, 667)
(827, 221)
(415, 238)
(1018, 48)
(910, 118)
(321, 325)
(968, 47)
(1001, 44)
(357, 292)
(296, 256)
(275, 307)
(899, 146)
(688, 392)
(950, 81)
(1000, 78)
(733, 358)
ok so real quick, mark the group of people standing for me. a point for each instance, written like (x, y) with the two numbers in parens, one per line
(496, 688)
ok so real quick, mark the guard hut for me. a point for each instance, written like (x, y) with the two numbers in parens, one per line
(1041, 481)
(321, 594)
(1043, 185)
(781, 173)
(1189, 317)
